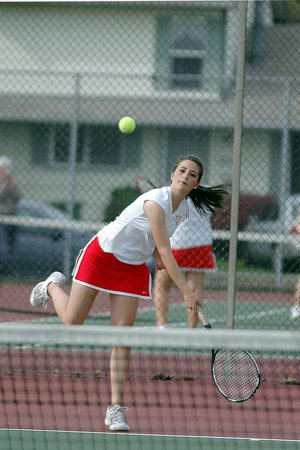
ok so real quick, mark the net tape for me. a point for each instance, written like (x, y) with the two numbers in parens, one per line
(260, 340)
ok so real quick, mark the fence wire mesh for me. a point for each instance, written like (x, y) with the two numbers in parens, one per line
(70, 71)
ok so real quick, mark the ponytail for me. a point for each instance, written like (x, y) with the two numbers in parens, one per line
(208, 198)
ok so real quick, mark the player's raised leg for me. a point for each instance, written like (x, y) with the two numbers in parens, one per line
(71, 309)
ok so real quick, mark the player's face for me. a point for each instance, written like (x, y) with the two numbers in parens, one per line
(186, 176)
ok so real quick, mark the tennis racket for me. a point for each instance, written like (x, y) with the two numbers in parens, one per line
(141, 178)
(235, 373)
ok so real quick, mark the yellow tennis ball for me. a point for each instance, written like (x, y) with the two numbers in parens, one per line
(127, 125)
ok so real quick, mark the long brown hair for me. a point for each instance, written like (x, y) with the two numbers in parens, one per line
(205, 198)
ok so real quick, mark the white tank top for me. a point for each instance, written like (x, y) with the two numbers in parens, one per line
(129, 236)
(193, 232)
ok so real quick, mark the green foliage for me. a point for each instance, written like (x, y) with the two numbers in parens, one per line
(120, 198)
(63, 207)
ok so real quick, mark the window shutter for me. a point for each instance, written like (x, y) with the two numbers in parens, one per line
(40, 144)
(214, 62)
(162, 56)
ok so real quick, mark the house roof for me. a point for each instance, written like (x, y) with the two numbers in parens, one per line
(267, 111)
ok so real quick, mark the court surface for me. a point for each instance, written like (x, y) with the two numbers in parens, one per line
(24, 439)
(249, 314)
(253, 311)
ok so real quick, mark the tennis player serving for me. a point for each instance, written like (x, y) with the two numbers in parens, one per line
(114, 262)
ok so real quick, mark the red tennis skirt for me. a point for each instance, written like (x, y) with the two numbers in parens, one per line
(195, 258)
(104, 272)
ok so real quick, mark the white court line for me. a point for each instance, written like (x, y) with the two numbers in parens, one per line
(181, 436)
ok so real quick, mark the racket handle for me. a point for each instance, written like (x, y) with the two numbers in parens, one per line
(204, 321)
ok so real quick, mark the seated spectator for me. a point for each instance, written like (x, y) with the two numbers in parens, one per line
(9, 197)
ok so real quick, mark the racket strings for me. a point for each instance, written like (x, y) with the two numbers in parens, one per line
(235, 374)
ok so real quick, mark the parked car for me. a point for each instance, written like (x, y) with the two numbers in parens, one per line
(263, 251)
(250, 205)
(36, 250)
(262, 206)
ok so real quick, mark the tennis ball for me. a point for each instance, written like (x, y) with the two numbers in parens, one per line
(127, 125)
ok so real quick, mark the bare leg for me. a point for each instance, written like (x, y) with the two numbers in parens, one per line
(161, 288)
(123, 313)
(297, 294)
(72, 309)
(195, 281)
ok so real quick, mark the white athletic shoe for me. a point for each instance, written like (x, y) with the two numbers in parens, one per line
(39, 295)
(295, 312)
(115, 418)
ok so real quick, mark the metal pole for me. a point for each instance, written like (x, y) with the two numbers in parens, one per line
(284, 182)
(237, 145)
(72, 174)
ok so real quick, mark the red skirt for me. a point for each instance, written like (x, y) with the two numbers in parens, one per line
(196, 258)
(104, 272)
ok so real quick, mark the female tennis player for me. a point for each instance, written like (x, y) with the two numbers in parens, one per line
(192, 249)
(114, 262)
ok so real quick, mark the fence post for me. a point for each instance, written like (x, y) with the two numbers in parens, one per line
(284, 183)
(238, 128)
(72, 172)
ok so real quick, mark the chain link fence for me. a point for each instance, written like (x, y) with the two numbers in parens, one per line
(70, 71)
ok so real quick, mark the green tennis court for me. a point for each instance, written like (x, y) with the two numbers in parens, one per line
(248, 315)
(24, 439)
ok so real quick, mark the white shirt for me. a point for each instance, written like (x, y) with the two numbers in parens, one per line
(129, 236)
(193, 232)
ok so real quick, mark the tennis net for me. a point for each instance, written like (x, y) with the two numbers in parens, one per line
(55, 388)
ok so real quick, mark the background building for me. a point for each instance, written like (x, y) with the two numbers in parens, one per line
(69, 72)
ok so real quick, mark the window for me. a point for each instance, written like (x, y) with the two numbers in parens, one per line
(96, 144)
(190, 51)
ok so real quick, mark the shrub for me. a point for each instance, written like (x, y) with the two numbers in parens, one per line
(120, 198)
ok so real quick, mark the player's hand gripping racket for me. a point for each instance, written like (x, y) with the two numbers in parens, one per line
(235, 372)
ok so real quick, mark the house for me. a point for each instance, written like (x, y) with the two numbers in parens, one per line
(70, 70)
